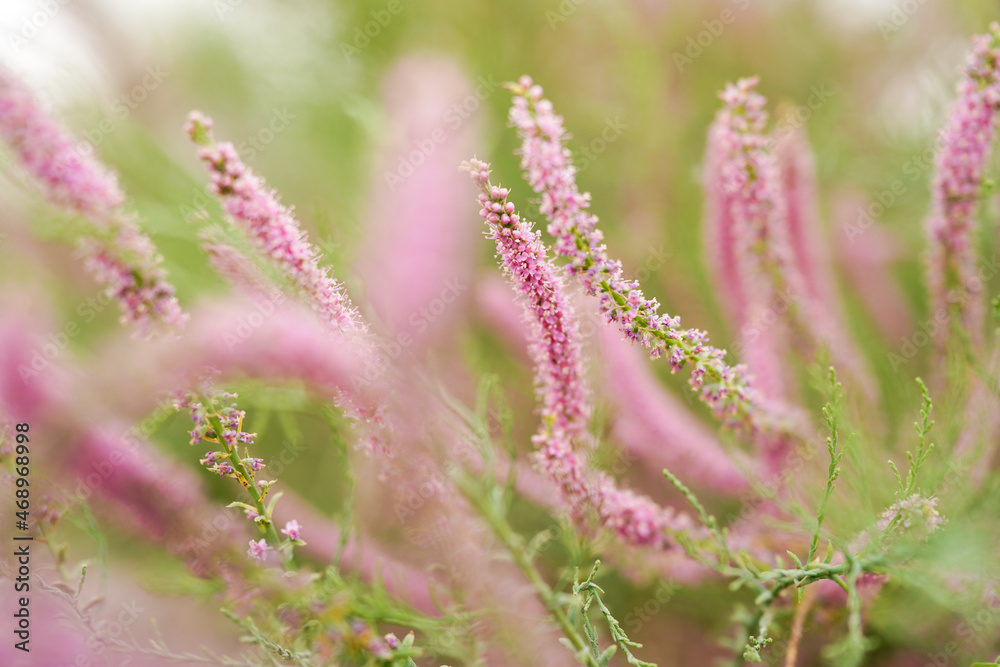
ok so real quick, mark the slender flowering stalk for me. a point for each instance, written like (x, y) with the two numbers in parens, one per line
(745, 290)
(764, 188)
(965, 146)
(271, 227)
(217, 420)
(797, 170)
(745, 183)
(550, 172)
(558, 371)
(117, 253)
(71, 180)
(750, 186)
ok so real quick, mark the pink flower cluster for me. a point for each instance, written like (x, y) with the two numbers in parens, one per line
(119, 255)
(749, 182)
(72, 179)
(915, 513)
(966, 144)
(558, 371)
(272, 227)
(549, 170)
(222, 404)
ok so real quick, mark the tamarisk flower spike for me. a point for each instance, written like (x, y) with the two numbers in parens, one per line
(549, 170)
(965, 147)
(747, 186)
(745, 291)
(558, 377)
(276, 234)
(761, 200)
(271, 227)
(116, 252)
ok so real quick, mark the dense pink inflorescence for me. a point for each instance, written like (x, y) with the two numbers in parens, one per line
(272, 227)
(761, 189)
(71, 178)
(120, 256)
(749, 183)
(740, 225)
(965, 146)
(550, 172)
(555, 351)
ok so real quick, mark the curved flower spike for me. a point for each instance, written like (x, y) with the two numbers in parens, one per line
(117, 253)
(272, 227)
(549, 170)
(965, 147)
(558, 377)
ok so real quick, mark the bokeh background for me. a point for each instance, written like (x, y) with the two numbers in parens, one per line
(334, 102)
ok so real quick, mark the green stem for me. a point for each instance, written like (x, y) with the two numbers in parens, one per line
(515, 545)
(253, 490)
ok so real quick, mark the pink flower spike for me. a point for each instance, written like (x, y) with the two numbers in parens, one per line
(555, 351)
(71, 178)
(116, 252)
(735, 204)
(258, 550)
(272, 227)
(292, 529)
(555, 340)
(965, 147)
(548, 167)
